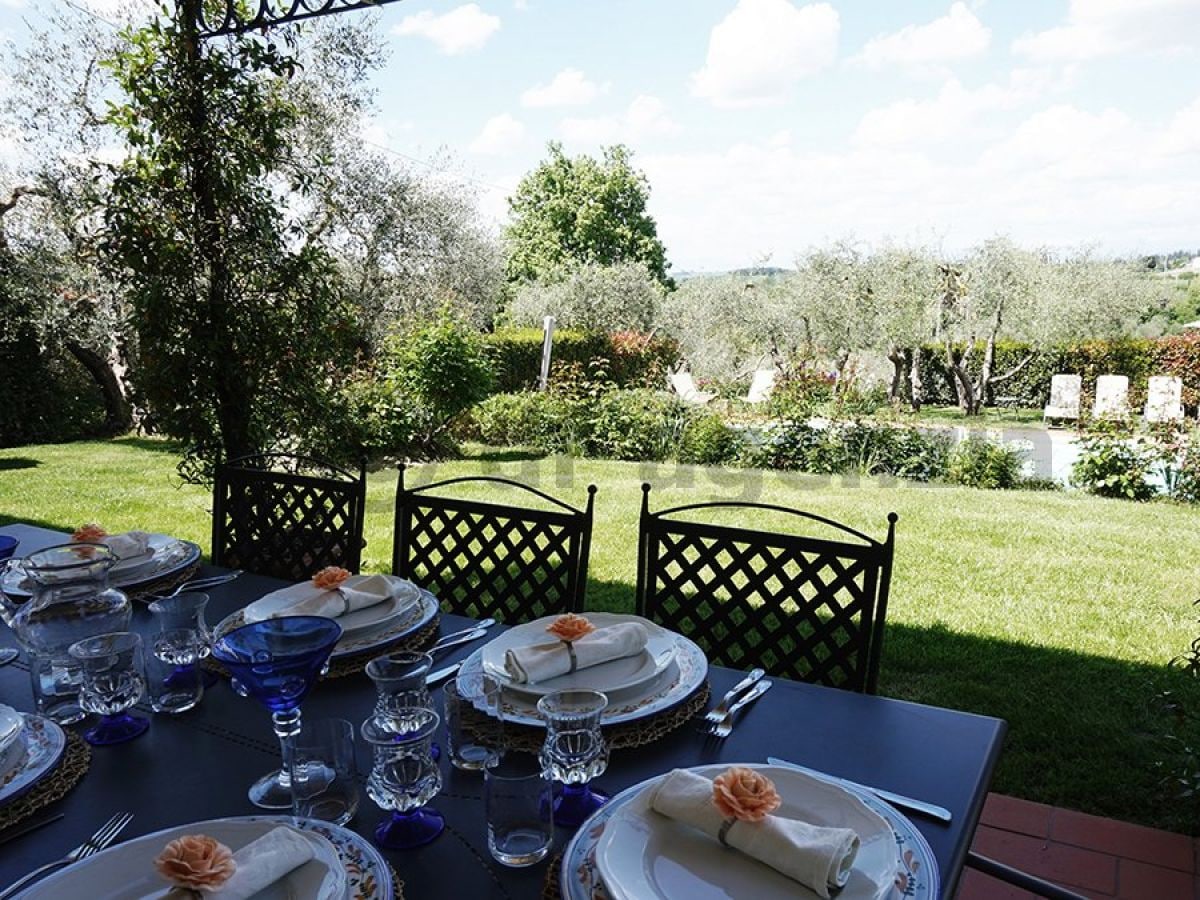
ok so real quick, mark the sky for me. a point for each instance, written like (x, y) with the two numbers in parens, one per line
(766, 127)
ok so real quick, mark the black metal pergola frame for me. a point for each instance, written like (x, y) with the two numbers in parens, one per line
(231, 17)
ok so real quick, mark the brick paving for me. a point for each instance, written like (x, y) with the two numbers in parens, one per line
(1093, 856)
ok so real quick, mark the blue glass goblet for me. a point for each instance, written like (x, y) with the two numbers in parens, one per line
(575, 752)
(113, 681)
(404, 778)
(276, 662)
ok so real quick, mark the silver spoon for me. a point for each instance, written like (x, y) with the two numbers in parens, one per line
(7, 655)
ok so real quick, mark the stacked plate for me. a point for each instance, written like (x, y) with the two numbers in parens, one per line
(164, 558)
(31, 748)
(627, 850)
(666, 672)
(374, 627)
(344, 865)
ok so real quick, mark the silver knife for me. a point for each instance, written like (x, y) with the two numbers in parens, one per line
(454, 641)
(929, 809)
(441, 674)
(478, 626)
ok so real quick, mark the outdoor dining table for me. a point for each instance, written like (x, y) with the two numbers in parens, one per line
(198, 765)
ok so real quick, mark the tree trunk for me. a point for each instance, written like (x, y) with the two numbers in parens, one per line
(232, 397)
(118, 415)
(843, 358)
(896, 356)
(916, 387)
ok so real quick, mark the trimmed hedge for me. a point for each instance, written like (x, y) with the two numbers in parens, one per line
(626, 358)
(1136, 358)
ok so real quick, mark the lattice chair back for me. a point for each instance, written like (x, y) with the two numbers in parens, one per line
(287, 516)
(485, 559)
(800, 607)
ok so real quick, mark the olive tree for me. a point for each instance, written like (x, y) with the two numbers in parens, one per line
(592, 297)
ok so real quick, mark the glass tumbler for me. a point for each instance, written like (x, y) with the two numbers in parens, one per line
(174, 679)
(474, 728)
(574, 752)
(518, 800)
(113, 682)
(400, 682)
(324, 775)
(186, 610)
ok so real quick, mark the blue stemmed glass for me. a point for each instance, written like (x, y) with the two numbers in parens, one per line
(575, 752)
(112, 682)
(276, 662)
(404, 778)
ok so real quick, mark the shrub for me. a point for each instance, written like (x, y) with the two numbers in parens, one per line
(862, 447)
(980, 463)
(543, 421)
(636, 424)
(709, 441)
(797, 395)
(1113, 464)
(629, 359)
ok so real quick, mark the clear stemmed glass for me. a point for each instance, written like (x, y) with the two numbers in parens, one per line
(400, 680)
(405, 777)
(186, 610)
(575, 752)
(112, 682)
(276, 662)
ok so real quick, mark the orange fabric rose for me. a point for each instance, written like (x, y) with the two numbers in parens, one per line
(90, 533)
(330, 577)
(743, 794)
(197, 862)
(570, 627)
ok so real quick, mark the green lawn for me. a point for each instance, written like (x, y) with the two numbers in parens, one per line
(1054, 611)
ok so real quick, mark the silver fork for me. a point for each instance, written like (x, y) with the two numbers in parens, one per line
(197, 584)
(717, 713)
(724, 728)
(104, 836)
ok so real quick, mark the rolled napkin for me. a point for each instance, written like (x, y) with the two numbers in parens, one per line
(196, 862)
(309, 599)
(126, 545)
(819, 858)
(543, 661)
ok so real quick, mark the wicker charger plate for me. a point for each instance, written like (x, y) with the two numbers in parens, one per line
(75, 761)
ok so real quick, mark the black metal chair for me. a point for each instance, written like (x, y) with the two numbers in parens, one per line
(485, 559)
(802, 608)
(287, 516)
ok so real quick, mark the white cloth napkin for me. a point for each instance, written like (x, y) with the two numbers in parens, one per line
(356, 592)
(543, 661)
(264, 861)
(817, 857)
(127, 544)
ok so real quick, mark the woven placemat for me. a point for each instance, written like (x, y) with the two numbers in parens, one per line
(144, 592)
(76, 758)
(638, 733)
(397, 884)
(552, 884)
(353, 665)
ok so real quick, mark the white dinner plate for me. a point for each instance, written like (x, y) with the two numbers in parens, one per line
(168, 556)
(643, 855)
(12, 747)
(611, 677)
(44, 742)
(345, 865)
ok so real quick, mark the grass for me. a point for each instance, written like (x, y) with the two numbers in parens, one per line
(1055, 611)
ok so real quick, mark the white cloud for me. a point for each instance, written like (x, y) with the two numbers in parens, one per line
(1097, 28)
(1183, 133)
(570, 87)
(500, 134)
(956, 35)
(460, 30)
(758, 52)
(646, 117)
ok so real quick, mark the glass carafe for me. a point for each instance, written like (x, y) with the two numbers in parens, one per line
(69, 599)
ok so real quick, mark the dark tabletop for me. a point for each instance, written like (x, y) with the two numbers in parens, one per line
(198, 765)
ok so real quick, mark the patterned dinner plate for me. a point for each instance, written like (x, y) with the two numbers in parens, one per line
(44, 742)
(684, 674)
(126, 871)
(915, 868)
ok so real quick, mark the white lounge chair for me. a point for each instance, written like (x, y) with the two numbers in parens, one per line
(1112, 397)
(1164, 399)
(1064, 397)
(685, 387)
(761, 386)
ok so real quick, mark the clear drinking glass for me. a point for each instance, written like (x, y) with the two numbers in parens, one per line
(186, 610)
(323, 772)
(405, 777)
(518, 799)
(113, 681)
(474, 728)
(575, 751)
(174, 679)
(400, 680)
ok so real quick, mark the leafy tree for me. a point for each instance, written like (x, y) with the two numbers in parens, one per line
(592, 297)
(576, 210)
